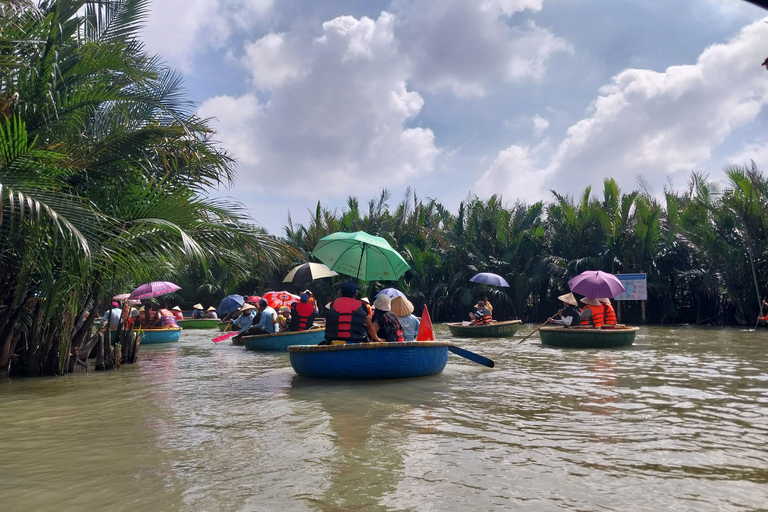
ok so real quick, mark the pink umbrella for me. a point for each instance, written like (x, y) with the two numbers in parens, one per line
(153, 289)
(121, 296)
(596, 284)
(277, 299)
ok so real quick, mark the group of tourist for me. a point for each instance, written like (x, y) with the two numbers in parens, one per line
(199, 312)
(352, 320)
(261, 318)
(147, 316)
(595, 313)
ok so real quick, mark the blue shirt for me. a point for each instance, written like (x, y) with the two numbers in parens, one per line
(243, 322)
(410, 325)
(267, 321)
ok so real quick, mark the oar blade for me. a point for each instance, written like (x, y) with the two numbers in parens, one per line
(477, 358)
(224, 337)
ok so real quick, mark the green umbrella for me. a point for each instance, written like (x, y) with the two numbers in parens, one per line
(361, 255)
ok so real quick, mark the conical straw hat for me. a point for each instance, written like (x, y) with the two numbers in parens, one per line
(401, 306)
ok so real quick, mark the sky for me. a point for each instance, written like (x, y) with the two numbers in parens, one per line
(325, 99)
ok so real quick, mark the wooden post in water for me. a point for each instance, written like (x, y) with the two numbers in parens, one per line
(642, 310)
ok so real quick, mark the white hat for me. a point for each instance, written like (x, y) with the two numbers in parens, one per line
(247, 307)
(382, 303)
(590, 301)
(605, 300)
(198, 306)
(568, 298)
(211, 309)
(175, 308)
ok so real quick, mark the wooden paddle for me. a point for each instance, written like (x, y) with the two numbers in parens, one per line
(760, 315)
(535, 330)
(477, 358)
(225, 336)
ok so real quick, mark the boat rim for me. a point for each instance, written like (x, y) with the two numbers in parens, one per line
(367, 345)
(504, 322)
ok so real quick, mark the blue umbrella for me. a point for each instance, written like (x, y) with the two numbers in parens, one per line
(391, 293)
(229, 304)
(489, 278)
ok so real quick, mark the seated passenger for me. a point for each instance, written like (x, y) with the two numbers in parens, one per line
(198, 311)
(609, 313)
(592, 314)
(284, 319)
(177, 314)
(267, 321)
(403, 308)
(481, 315)
(570, 314)
(164, 319)
(245, 320)
(211, 313)
(303, 314)
(385, 322)
(347, 318)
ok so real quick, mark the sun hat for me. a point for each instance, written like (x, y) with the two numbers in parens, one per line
(307, 292)
(568, 298)
(141, 308)
(198, 306)
(365, 299)
(348, 287)
(263, 303)
(115, 305)
(605, 300)
(176, 308)
(285, 309)
(401, 306)
(211, 309)
(247, 307)
(383, 303)
(304, 297)
(590, 301)
(134, 312)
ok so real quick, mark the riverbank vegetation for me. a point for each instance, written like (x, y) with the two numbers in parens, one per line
(104, 173)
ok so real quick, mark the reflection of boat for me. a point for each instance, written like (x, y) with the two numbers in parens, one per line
(370, 360)
(151, 336)
(282, 340)
(494, 330)
(225, 326)
(198, 323)
(588, 337)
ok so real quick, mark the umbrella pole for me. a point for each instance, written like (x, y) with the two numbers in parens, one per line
(360, 264)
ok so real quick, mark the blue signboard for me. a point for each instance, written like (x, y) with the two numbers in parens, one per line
(635, 285)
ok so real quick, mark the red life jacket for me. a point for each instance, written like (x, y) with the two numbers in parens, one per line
(597, 316)
(346, 320)
(302, 316)
(610, 314)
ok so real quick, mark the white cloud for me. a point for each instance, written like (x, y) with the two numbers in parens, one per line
(465, 47)
(539, 125)
(179, 29)
(756, 151)
(335, 121)
(515, 173)
(653, 124)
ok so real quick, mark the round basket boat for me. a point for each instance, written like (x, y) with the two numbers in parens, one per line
(282, 340)
(152, 336)
(494, 330)
(588, 337)
(391, 360)
(198, 323)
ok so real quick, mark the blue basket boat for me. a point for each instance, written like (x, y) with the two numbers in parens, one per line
(282, 340)
(370, 360)
(152, 336)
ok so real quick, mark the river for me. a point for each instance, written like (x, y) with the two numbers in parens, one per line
(679, 421)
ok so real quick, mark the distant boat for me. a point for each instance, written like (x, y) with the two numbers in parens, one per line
(282, 340)
(391, 360)
(494, 330)
(152, 336)
(588, 337)
(198, 323)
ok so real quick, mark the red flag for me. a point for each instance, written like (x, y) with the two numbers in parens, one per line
(426, 333)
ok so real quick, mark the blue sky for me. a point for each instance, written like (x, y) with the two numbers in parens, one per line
(320, 100)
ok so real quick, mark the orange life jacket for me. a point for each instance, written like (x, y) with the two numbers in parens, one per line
(610, 314)
(597, 316)
(166, 319)
(346, 319)
(483, 320)
(302, 316)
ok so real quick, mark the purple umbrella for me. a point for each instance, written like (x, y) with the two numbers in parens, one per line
(596, 284)
(391, 293)
(489, 278)
(153, 289)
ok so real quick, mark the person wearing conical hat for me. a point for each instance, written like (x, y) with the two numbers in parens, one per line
(177, 314)
(403, 308)
(198, 311)
(593, 313)
(211, 313)
(569, 314)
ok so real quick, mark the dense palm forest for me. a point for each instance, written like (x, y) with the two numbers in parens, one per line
(104, 173)
(104, 177)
